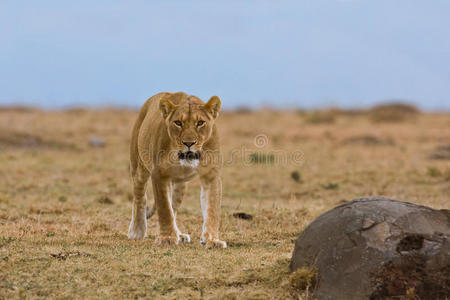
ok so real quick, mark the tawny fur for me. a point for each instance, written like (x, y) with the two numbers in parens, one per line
(155, 143)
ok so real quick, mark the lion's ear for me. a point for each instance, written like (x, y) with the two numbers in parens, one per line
(166, 107)
(213, 106)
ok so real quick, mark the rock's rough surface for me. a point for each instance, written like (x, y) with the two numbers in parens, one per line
(374, 248)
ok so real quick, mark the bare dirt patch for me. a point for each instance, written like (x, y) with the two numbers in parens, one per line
(17, 139)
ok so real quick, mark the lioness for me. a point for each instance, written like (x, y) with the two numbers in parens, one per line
(173, 140)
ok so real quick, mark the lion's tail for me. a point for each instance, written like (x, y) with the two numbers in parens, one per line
(150, 211)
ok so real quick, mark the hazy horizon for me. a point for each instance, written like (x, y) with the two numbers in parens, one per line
(305, 54)
(225, 106)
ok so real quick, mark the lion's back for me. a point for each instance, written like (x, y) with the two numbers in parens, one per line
(148, 110)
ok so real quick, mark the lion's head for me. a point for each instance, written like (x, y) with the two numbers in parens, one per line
(189, 124)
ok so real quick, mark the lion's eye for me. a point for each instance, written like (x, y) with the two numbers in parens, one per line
(200, 123)
(178, 123)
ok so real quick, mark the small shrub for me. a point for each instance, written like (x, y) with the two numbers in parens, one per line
(368, 140)
(434, 172)
(296, 176)
(262, 158)
(393, 112)
(304, 278)
(321, 117)
(105, 200)
(331, 186)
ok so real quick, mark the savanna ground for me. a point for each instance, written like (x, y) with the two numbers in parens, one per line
(65, 205)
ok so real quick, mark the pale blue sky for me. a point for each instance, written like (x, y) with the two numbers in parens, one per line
(251, 53)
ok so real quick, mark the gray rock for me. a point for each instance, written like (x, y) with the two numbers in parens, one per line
(96, 142)
(376, 248)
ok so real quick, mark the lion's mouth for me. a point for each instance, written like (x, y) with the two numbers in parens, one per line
(189, 155)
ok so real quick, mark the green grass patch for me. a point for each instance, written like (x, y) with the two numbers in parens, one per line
(262, 158)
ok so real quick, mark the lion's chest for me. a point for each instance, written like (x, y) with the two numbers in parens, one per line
(183, 172)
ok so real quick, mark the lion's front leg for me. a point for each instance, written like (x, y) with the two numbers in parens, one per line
(168, 233)
(210, 198)
(178, 191)
(138, 224)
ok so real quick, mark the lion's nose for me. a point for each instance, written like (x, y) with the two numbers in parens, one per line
(188, 144)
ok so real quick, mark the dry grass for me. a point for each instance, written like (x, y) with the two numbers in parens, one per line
(304, 279)
(65, 206)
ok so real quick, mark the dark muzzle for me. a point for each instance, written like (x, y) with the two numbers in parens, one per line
(189, 155)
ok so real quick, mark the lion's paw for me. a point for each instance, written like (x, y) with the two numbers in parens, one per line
(167, 240)
(184, 238)
(137, 230)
